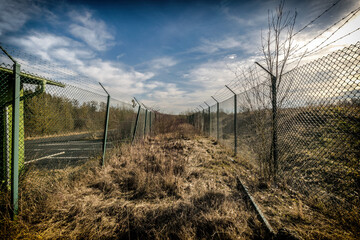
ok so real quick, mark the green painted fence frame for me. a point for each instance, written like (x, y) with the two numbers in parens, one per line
(12, 123)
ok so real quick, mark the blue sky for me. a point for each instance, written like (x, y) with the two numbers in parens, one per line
(172, 55)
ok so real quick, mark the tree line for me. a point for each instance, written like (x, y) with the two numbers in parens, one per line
(48, 114)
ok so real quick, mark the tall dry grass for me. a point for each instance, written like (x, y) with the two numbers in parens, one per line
(162, 188)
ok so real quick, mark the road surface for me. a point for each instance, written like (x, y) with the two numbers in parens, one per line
(60, 152)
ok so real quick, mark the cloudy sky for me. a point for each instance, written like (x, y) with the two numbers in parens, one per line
(172, 55)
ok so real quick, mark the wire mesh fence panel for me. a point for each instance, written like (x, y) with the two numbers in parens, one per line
(206, 126)
(152, 122)
(122, 119)
(200, 120)
(140, 125)
(6, 98)
(319, 128)
(213, 121)
(194, 120)
(147, 129)
(64, 125)
(254, 127)
(197, 119)
(226, 122)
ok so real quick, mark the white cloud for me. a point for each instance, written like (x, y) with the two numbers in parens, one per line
(232, 56)
(201, 83)
(122, 81)
(80, 63)
(51, 47)
(214, 75)
(153, 85)
(72, 56)
(246, 22)
(162, 62)
(208, 46)
(92, 31)
(168, 97)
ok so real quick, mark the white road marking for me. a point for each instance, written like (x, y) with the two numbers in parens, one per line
(69, 157)
(71, 143)
(65, 149)
(49, 156)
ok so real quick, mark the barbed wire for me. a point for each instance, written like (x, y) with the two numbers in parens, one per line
(352, 13)
(319, 16)
(224, 93)
(304, 27)
(305, 54)
(318, 50)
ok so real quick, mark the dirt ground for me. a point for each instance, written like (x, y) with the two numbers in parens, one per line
(177, 185)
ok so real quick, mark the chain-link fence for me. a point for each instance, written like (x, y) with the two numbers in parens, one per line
(213, 121)
(48, 123)
(121, 122)
(254, 126)
(310, 142)
(226, 122)
(319, 127)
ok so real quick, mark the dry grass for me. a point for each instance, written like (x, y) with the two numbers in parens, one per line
(170, 186)
(303, 216)
(173, 185)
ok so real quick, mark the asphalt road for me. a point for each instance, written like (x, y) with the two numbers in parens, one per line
(60, 152)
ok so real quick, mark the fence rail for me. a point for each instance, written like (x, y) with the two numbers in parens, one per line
(315, 124)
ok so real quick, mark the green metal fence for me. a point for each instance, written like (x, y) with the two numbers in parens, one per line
(50, 123)
(310, 142)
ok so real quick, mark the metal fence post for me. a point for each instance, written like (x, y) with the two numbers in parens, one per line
(150, 122)
(203, 117)
(209, 118)
(274, 123)
(235, 119)
(274, 146)
(217, 118)
(145, 122)
(196, 114)
(106, 125)
(136, 123)
(198, 118)
(15, 142)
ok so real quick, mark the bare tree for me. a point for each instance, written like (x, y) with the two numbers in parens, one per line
(277, 44)
(276, 48)
(256, 100)
(264, 95)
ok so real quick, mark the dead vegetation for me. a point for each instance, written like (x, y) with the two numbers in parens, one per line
(172, 185)
(167, 187)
